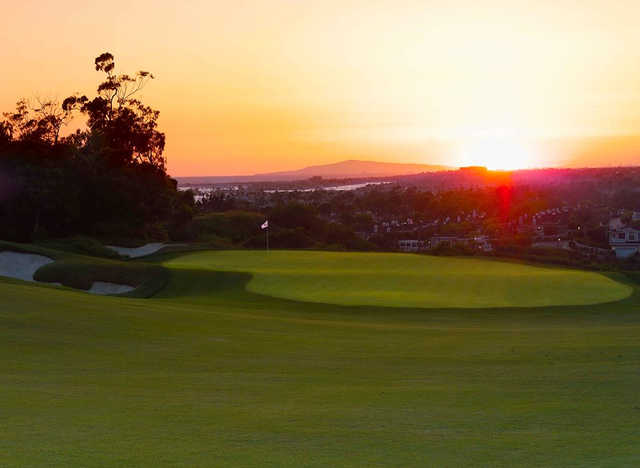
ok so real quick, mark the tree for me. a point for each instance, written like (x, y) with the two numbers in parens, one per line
(52, 116)
(107, 180)
(5, 134)
(124, 126)
(37, 123)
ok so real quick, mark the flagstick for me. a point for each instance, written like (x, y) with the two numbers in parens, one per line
(267, 238)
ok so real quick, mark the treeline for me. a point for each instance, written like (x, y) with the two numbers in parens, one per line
(363, 206)
(106, 180)
(383, 215)
(334, 217)
(291, 226)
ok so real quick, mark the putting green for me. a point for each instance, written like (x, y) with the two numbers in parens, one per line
(406, 280)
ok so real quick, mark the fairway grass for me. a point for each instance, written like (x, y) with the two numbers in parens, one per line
(208, 374)
(407, 280)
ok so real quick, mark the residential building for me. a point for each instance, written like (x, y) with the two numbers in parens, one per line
(411, 245)
(625, 242)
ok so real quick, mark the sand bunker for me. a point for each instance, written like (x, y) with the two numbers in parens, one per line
(20, 265)
(101, 287)
(23, 266)
(136, 252)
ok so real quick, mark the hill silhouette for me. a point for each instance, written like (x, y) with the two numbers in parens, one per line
(341, 170)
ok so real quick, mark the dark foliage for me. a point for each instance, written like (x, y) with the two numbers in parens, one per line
(235, 226)
(108, 180)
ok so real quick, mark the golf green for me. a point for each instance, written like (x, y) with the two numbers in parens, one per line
(209, 374)
(406, 280)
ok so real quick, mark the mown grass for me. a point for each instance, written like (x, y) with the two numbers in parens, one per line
(406, 280)
(208, 374)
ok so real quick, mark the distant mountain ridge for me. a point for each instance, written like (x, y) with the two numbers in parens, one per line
(349, 169)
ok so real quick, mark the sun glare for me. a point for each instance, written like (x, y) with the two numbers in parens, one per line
(496, 153)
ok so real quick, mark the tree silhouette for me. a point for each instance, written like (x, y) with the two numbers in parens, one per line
(108, 179)
(127, 127)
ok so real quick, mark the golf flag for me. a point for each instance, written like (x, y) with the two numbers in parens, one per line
(265, 225)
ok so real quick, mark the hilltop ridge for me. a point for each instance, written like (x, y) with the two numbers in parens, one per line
(352, 168)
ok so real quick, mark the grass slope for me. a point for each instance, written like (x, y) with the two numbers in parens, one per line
(209, 374)
(405, 280)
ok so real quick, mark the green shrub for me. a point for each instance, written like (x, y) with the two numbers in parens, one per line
(283, 239)
(236, 226)
(80, 273)
(80, 245)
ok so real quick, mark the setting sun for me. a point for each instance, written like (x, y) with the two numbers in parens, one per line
(358, 79)
(497, 153)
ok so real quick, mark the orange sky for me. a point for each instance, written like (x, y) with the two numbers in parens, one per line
(254, 86)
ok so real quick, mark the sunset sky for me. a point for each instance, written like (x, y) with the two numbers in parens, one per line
(256, 86)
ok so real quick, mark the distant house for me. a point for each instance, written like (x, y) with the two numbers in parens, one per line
(411, 245)
(483, 243)
(480, 242)
(445, 241)
(625, 242)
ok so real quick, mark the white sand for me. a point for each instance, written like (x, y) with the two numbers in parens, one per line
(101, 287)
(136, 252)
(21, 265)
